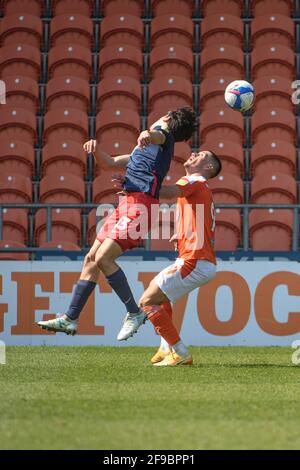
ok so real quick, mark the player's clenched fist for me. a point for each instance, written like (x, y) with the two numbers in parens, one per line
(144, 139)
(90, 146)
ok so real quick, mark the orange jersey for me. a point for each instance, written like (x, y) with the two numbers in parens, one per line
(195, 224)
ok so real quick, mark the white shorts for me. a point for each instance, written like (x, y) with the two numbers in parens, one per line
(184, 276)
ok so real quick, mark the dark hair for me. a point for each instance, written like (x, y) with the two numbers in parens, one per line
(216, 162)
(183, 123)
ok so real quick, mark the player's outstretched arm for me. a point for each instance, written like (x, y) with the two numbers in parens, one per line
(169, 192)
(102, 158)
(151, 137)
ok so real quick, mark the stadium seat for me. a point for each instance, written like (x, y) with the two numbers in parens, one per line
(21, 29)
(273, 92)
(273, 158)
(172, 60)
(162, 240)
(113, 7)
(60, 245)
(270, 125)
(182, 151)
(22, 92)
(222, 60)
(64, 158)
(66, 189)
(212, 91)
(72, 29)
(119, 92)
(221, 124)
(172, 29)
(263, 7)
(273, 61)
(66, 226)
(16, 157)
(114, 148)
(117, 124)
(231, 155)
(272, 29)
(20, 60)
(70, 61)
(15, 225)
(271, 229)
(179, 7)
(227, 189)
(273, 189)
(122, 29)
(220, 29)
(104, 190)
(228, 229)
(15, 188)
(121, 61)
(10, 256)
(68, 92)
(81, 7)
(17, 124)
(32, 7)
(170, 92)
(65, 124)
(229, 7)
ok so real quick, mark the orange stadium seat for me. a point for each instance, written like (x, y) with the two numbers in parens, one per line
(70, 60)
(172, 29)
(262, 7)
(273, 158)
(60, 245)
(227, 189)
(273, 92)
(131, 7)
(274, 188)
(123, 92)
(122, 28)
(21, 29)
(68, 92)
(20, 60)
(64, 158)
(16, 157)
(15, 225)
(66, 226)
(231, 155)
(170, 92)
(15, 188)
(117, 124)
(81, 7)
(271, 229)
(230, 7)
(10, 256)
(32, 7)
(272, 61)
(228, 229)
(164, 231)
(220, 29)
(17, 124)
(272, 29)
(114, 148)
(221, 124)
(171, 60)
(212, 91)
(116, 61)
(57, 188)
(104, 190)
(22, 92)
(273, 124)
(65, 124)
(72, 29)
(182, 151)
(179, 7)
(222, 60)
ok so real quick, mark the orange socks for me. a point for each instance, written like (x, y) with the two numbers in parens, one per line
(161, 318)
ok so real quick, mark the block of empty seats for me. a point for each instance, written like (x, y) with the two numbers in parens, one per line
(104, 189)
(17, 124)
(182, 151)
(17, 157)
(276, 188)
(271, 124)
(60, 245)
(272, 61)
(21, 29)
(269, 157)
(172, 29)
(58, 188)
(10, 256)
(273, 29)
(123, 92)
(121, 29)
(20, 60)
(231, 154)
(32, 7)
(221, 60)
(64, 157)
(221, 124)
(171, 60)
(271, 229)
(63, 124)
(113, 7)
(15, 188)
(81, 7)
(71, 29)
(70, 60)
(22, 92)
(121, 61)
(170, 92)
(273, 92)
(227, 189)
(263, 7)
(212, 91)
(15, 225)
(228, 229)
(230, 7)
(179, 7)
(220, 29)
(65, 223)
(117, 124)
(117, 147)
(68, 92)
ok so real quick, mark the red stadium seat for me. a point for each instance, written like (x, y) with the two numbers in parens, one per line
(72, 29)
(113, 7)
(122, 28)
(32, 7)
(227, 189)
(22, 92)
(15, 225)
(222, 29)
(81, 7)
(231, 155)
(114, 148)
(68, 92)
(70, 61)
(20, 60)
(273, 158)
(221, 124)
(272, 29)
(117, 124)
(15, 188)
(222, 60)
(66, 226)
(64, 158)
(272, 61)
(16, 157)
(57, 188)
(21, 29)
(123, 92)
(274, 189)
(271, 229)
(230, 7)
(172, 29)
(212, 91)
(104, 190)
(182, 151)
(65, 124)
(17, 124)
(121, 61)
(228, 229)
(179, 7)
(273, 92)
(60, 245)
(270, 125)
(171, 60)
(170, 92)
(263, 7)
(10, 256)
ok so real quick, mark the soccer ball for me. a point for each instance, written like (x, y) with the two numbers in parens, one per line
(239, 95)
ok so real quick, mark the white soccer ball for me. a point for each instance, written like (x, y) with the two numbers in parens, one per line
(239, 95)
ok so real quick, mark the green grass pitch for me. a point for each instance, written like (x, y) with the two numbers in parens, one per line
(113, 398)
